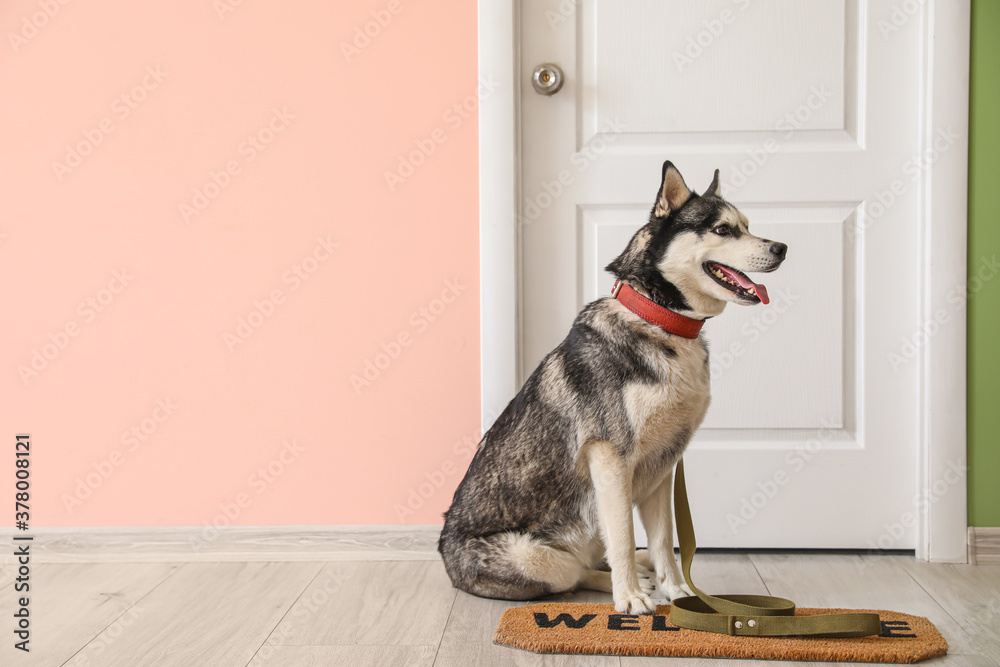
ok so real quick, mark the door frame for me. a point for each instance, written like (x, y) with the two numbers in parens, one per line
(943, 212)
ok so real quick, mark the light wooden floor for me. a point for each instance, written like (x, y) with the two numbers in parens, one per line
(406, 612)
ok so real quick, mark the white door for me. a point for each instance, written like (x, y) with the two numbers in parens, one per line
(810, 110)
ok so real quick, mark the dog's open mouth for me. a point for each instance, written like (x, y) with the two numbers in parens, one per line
(737, 282)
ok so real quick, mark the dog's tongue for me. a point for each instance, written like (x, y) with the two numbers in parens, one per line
(762, 293)
(746, 284)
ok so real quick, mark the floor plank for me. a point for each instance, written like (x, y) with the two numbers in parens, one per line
(355, 656)
(961, 661)
(71, 604)
(969, 593)
(7, 575)
(205, 614)
(387, 603)
(406, 612)
(468, 637)
(727, 573)
(474, 620)
(858, 582)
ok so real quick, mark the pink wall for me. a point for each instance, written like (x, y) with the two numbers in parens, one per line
(132, 263)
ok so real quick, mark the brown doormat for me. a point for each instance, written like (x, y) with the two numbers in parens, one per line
(558, 627)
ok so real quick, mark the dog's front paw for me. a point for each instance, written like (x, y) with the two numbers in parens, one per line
(647, 582)
(672, 586)
(635, 603)
(672, 592)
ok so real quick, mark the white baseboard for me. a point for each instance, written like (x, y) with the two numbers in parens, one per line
(984, 546)
(230, 544)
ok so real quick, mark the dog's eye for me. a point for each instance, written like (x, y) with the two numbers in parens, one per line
(722, 230)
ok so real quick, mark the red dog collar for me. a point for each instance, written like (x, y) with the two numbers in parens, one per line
(653, 313)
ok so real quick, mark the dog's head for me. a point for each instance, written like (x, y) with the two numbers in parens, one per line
(694, 253)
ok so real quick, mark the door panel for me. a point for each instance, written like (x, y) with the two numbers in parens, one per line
(811, 437)
(644, 58)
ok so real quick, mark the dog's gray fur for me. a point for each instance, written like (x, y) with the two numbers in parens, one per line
(600, 424)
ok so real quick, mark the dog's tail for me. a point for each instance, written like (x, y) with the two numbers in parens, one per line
(461, 560)
(498, 565)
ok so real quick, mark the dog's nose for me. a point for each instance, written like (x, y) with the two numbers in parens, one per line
(779, 250)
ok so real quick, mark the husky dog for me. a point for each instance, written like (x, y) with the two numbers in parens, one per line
(547, 501)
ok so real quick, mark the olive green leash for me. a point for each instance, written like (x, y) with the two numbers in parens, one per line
(749, 615)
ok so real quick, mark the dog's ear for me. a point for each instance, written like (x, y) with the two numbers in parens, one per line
(713, 189)
(673, 191)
